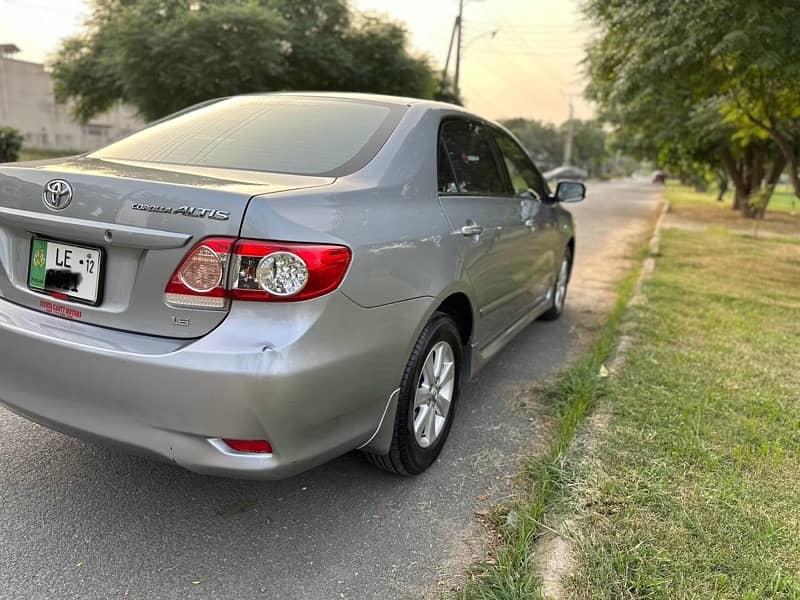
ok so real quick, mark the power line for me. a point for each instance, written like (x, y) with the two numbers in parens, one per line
(535, 54)
(540, 28)
(534, 47)
(521, 56)
(41, 7)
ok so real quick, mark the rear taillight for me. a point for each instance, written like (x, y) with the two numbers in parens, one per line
(277, 272)
(199, 281)
(218, 269)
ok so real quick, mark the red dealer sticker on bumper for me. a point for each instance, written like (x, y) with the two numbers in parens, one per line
(60, 310)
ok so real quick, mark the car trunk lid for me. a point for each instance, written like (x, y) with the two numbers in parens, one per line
(139, 219)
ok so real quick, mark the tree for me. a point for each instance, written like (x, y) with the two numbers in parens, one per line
(691, 80)
(588, 146)
(163, 55)
(759, 54)
(379, 61)
(542, 140)
(10, 144)
(545, 142)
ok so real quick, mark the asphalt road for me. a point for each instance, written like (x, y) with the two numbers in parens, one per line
(82, 521)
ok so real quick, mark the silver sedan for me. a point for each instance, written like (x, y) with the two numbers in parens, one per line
(261, 283)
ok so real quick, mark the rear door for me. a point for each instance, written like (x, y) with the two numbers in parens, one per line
(485, 215)
(537, 212)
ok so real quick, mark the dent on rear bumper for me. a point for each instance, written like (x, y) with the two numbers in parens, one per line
(312, 377)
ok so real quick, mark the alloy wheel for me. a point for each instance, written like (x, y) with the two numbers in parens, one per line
(434, 394)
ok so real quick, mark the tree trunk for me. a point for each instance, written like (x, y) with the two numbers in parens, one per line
(722, 184)
(756, 171)
(754, 176)
(756, 207)
(751, 192)
(734, 171)
(784, 144)
(765, 194)
(790, 157)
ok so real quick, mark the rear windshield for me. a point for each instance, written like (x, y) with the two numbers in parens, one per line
(281, 134)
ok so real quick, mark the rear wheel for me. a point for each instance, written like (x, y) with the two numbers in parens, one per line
(559, 292)
(427, 400)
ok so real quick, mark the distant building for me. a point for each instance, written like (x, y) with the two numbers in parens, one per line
(28, 104)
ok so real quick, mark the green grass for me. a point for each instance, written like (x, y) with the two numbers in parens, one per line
(783, 200)
(571, 398)
(41, 154)
(781, 218)
(695, 490)
(683, 195)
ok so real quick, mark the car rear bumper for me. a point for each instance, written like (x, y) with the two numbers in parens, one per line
(313, 378)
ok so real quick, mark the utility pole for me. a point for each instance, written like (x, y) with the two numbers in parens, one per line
(459, 22)
(570, 135)
(449, 52)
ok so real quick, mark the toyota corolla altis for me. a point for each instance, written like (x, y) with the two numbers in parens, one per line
(261, 283)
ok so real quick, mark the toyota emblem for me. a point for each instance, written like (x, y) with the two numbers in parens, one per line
(57, 194)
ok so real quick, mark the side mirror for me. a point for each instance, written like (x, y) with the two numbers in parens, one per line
(570, 191)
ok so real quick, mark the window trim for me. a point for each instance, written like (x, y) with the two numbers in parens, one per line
(441, 147)
(510, 137)
(495, 155)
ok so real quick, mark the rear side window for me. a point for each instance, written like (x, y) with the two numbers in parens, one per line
(283, 134)
(521, 171)
(469, 148)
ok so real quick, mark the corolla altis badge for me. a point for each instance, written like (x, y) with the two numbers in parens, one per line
(186, 211)
(57, 194)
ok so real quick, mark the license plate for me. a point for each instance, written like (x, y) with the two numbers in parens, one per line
(74, 272)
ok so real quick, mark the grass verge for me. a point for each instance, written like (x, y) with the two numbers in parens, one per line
(782, 217)
(572, 397)
(693, 490)
(784, 199)
(42, 154)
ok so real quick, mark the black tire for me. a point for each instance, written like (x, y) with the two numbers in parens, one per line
(406, 456)
(554, 312)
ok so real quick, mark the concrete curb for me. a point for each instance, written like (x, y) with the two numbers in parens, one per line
(653, 250)
(553, 557)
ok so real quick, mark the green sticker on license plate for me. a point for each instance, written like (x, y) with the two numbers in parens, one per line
(38, 272)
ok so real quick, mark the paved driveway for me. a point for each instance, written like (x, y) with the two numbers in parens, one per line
(82, 521)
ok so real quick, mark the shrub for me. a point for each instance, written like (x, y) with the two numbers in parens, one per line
(10, 144)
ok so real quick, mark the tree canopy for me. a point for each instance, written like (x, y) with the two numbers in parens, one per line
(702, 86)
(163, 55)
(545, 142)
(542, 140)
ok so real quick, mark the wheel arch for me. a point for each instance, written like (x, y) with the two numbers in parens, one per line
(571, 246)
(455, 302)
(459, 307)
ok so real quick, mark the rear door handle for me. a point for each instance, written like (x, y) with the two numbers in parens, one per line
(470, 230)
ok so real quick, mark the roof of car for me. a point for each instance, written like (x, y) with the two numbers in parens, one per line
(385, 99)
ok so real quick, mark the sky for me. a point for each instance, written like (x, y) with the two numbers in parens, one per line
(521, 58)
